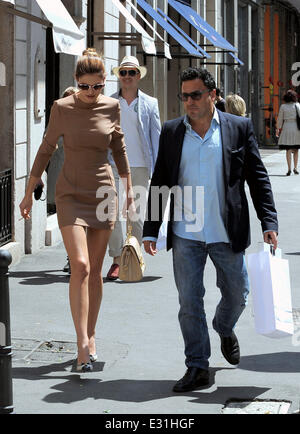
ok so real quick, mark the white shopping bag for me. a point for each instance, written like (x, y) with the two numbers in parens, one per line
(271, 293)
(161, 242)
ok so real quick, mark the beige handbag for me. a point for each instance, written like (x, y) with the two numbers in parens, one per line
(132, 264)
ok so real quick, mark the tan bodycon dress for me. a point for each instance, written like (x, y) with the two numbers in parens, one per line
(88, 131)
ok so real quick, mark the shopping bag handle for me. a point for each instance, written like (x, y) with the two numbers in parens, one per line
(272, 250)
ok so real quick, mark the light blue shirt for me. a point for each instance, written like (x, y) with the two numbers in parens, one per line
(201, 168)
(202, 181)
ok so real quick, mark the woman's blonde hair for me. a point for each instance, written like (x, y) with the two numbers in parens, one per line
(90, 63)
(235, 105)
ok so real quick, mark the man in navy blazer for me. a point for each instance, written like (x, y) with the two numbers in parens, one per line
(204, 160)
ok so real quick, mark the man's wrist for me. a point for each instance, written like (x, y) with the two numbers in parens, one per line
(150, 239)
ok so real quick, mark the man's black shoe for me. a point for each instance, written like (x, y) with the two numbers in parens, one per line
(230, 349)
(193, 378)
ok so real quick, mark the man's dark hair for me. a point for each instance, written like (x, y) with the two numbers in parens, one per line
(192, 73)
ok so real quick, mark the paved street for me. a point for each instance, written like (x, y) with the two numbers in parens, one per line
(139, 341)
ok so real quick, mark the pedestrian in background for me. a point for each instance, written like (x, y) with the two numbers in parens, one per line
(89, 123)
(289, 137)
(218, 152)
(235, 105)
(140, 122)
(220, 101)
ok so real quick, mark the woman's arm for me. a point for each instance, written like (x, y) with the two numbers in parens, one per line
(48, 146)
(26, 204)
(129, 203)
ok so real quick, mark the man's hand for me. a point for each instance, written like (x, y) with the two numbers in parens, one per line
(270, 237)
(150, 247)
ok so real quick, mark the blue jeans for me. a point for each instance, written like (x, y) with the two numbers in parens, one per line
(189, 258)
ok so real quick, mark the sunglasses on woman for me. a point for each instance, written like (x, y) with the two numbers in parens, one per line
(83, 86)
(196, 95)
(130, 72)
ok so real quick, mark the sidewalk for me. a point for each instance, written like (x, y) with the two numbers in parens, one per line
(138, 336)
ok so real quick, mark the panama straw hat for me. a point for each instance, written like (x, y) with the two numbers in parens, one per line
(130, 61)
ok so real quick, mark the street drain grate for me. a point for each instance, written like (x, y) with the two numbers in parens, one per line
(256, 406)
(43, 351)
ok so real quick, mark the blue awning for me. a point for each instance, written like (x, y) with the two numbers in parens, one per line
(184, 34)
(182, 38)
(204, 28)
(236, 58)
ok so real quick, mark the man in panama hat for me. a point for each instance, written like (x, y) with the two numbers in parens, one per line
(140, 122)
(130, 62)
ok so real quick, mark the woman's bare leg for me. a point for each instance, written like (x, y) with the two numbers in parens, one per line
(289, 159)
(75, 241)
(97, 241)
(296, 159)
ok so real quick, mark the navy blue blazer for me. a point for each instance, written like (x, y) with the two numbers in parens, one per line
(241, 162)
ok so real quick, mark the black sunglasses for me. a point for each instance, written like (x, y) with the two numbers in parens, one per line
(196, 95)
(83, 86)
(130, 72)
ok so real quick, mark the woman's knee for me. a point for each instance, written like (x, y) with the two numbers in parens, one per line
(95, 272)
(80, 267)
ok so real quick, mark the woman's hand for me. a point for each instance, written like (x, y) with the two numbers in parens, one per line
(25, 207)
(129, 206)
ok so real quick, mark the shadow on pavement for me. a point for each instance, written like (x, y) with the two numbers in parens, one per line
(40, 277)
(138, 391)
(272, 362)
(46, 278)
(144, 279)
(79, 387)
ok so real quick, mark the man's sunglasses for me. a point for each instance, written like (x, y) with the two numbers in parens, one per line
(196, 95)
(130, 72)
(98, 86)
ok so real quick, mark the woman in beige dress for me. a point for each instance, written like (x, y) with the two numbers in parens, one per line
(86, 198)
(289, 138)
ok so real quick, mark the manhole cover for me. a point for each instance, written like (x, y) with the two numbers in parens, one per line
(43, 351)
(256, 407)
(51, 351)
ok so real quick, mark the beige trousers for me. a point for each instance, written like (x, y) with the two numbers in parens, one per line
(139, 177)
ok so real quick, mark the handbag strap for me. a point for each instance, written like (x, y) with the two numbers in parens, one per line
(128, 225)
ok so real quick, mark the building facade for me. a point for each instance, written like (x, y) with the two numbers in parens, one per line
(32, 75)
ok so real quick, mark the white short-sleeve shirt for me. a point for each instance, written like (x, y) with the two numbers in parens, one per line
(129, 125)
